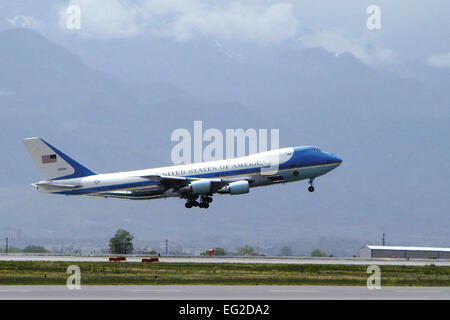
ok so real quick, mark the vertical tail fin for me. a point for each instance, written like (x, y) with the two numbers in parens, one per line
(52, 163)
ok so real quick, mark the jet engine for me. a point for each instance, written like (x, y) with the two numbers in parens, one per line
(238, 187)
(200, 186)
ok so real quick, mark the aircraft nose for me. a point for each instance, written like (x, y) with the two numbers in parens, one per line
(334, 158)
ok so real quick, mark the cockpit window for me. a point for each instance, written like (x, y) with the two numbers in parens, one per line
(316, 149)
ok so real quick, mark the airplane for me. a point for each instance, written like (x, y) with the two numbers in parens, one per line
(195, 182)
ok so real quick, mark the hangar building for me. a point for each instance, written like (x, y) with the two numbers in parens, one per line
(371, 251)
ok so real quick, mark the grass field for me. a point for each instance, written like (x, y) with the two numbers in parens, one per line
(126, 273)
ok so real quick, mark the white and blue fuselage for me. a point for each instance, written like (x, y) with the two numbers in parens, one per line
(197, 181)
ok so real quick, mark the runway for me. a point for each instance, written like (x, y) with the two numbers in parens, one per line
(284, 260)
(202, 292)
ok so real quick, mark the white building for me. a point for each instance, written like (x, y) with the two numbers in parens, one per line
(371, 251)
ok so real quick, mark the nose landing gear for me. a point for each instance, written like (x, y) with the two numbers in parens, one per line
(311, 187)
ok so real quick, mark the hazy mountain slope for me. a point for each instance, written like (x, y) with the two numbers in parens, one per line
(48, 91)
(392, 134)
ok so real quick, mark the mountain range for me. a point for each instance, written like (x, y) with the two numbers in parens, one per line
(391, 130)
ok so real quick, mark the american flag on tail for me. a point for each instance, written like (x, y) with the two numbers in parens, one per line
(50, 158)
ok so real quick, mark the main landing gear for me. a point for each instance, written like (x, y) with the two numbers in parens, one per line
(311, 187)
(204, 202)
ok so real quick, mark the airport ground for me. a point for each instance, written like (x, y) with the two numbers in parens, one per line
(249, 259)
(227, 293)
(194, 273)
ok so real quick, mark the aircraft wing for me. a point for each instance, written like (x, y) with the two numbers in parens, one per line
(177, 184)
(173, 182)
(150, 192)
(170, 181)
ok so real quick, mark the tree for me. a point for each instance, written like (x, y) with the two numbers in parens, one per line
(146, 251)
(246, 251)
(286, 251)
(219, 252)
(121, 243)
(318, 253)
(35, 249)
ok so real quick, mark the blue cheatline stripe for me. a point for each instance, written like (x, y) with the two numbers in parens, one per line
(80, 170)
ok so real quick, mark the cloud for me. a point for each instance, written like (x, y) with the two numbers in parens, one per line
(183, 20)
(364, 50)
(439, 60)
(5, 92)
(22, 21)
(237, 21)
(103, 18)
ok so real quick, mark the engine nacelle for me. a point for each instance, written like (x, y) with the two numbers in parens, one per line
(238, 187)
(200, 186)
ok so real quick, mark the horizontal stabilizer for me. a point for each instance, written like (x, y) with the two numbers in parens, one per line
(50, 185)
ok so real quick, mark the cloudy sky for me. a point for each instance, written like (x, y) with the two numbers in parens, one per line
(211, 60)
(412, 30)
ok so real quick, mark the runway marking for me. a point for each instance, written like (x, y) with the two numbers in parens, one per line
(154, 290)
(420, 291)
(15, 290)
(295, 290)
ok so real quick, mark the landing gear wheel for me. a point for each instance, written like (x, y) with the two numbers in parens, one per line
(188, 205)
(311, 187)
(201, 205)
(206, 200)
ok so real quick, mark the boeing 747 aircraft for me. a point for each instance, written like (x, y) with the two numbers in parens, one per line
(196, 182)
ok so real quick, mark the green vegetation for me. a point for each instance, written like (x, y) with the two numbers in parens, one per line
(35, 249)
(247, 251)
(11, 250)
(27, 249)
(318, 253)
(121, 273)
(121, 243)
(286, 251)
